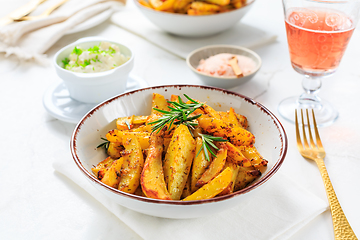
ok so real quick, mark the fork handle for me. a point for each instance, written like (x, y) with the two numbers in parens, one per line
(342, 228)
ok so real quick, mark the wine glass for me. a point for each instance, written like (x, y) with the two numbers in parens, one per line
(318, 32)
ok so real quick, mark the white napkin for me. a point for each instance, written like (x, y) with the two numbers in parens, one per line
(276, 210)
(241, 34)
(30, 39)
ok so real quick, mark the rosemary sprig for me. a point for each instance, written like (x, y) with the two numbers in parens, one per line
(178, 114)
(127, 124)
(104, 144)
(207, 143)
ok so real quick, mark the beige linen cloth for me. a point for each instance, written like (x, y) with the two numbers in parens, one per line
(276, 210)
(30, 39)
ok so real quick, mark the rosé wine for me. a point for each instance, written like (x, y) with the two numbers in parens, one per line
(317, 38)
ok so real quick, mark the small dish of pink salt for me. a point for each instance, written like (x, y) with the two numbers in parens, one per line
(223, 65)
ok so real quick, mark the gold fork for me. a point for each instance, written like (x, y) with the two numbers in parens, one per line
(315, 151)
(46, 13)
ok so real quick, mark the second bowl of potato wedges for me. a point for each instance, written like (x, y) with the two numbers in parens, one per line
(191, 18)
(179, 151)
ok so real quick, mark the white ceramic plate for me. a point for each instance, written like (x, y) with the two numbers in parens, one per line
(60, 105)
(91, 22)
(270, 137)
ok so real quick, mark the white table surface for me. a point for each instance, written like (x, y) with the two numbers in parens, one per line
(38, 203)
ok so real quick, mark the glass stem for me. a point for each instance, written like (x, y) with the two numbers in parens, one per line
(311, 86)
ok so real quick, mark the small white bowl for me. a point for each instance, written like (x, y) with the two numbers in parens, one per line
(270, 140)
(194, 58)
(94, 87)
(194, 26)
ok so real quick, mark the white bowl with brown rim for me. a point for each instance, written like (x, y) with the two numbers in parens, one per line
(271, 141)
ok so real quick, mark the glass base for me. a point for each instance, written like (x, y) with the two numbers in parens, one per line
(324, 112)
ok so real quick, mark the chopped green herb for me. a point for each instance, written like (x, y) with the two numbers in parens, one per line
(104, 145)
(77, 51)
(94, 49)
(86, 62)
(127, 124)
(66, 62)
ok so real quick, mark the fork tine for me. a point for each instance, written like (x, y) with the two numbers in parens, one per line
(298, 139)
(317, 136)
(309, 126)
(306, 144)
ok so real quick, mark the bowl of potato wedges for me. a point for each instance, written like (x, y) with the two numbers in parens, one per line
(194, 18)
(179, 151)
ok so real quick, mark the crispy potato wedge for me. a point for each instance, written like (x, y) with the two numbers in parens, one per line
(235, 170)
(219, 2)
(181, 6)
(158, 100)
(178, 160)
(232, 119)
(245, 177)
(207, 110)
(145, 3)
(204, 7)
(216, 166)
(166, 143)
(141, 128)
(162, 5)
(237, 3)
(213, 188)
(174, 98)
(236, 156)
(237, 135)
(114, 150)
(139, 119)
(112, 175)
(102, 167)
(117, 136)
(242, 120)
(124, 123)
(133, 163)
(254, 156)
(152, 177)
(187, 189)
(139, 192)
(199, 165)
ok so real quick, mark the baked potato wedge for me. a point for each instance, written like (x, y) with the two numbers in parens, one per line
(178, 160)
(199, 165)
(237, 135)
(158, 100)
(132, 165)
(112, 175)
(117, 136)
(162, 5)
(114, 150)
(187, 189)
(213, 188)
(236, 156)
(124, 123)
(235, 169)
(102, 167)
(254, 156)
(245, 177)
(216, 166)
(152, 176)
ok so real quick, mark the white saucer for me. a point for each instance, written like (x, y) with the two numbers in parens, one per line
(60, 105)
